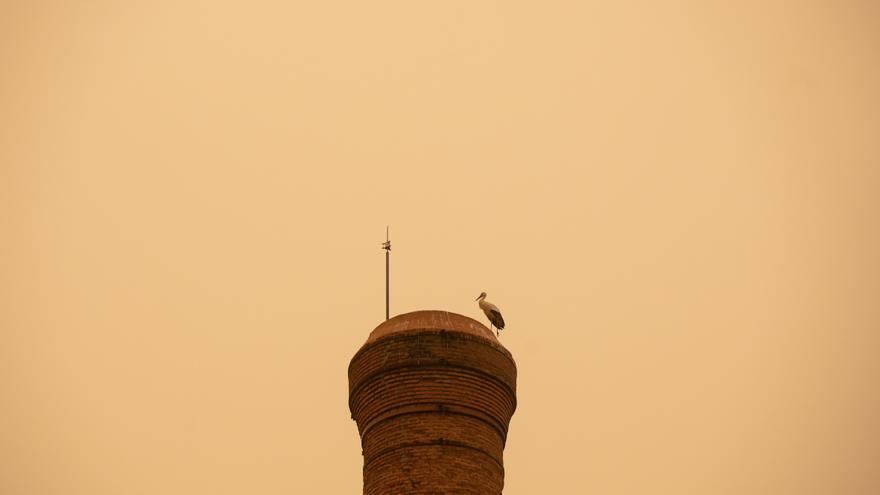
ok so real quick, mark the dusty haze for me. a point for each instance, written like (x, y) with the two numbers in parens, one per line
(674, 206)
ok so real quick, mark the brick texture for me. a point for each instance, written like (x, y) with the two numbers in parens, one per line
(432, 393)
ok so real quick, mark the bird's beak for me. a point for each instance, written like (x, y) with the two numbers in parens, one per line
(478, 297)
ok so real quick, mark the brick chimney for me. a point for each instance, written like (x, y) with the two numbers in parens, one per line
(432, 393)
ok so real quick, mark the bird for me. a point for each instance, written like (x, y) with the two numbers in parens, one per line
(492, 312)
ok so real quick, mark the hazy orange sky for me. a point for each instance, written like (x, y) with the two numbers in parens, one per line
(674, 204)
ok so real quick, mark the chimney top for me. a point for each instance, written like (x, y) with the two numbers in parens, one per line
(431, 320)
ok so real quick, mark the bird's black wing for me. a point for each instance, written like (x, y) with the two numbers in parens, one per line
(496, 319)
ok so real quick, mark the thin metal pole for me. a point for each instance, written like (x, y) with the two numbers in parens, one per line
(387, 247)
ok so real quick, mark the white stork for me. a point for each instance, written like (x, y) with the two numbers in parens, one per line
(492, 312)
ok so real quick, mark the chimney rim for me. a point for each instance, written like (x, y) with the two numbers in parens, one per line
(431, 319)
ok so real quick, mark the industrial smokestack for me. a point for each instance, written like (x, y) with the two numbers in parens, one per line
(432, 393)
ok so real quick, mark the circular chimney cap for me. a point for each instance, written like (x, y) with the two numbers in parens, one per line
(431, 320)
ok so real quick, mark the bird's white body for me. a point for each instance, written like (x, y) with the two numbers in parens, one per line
(492, 312)
(487, 307)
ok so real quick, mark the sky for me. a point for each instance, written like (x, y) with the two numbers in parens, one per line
(675, 205)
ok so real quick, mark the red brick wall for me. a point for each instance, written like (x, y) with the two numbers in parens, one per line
(432, 407)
